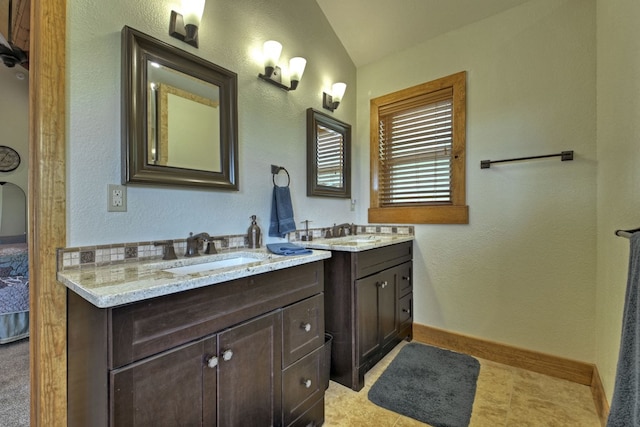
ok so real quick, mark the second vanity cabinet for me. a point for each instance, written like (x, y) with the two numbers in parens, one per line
(368, 307)
(240, 353)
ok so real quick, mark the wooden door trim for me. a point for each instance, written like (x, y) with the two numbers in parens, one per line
(47, 213)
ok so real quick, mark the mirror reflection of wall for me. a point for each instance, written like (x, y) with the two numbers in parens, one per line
(184, 120)
(13, 214)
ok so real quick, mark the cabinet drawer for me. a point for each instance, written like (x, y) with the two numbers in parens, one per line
(405, 278)
(405, 309)
(302, 386)
(374, 260)
(303, 327)
(149, 327)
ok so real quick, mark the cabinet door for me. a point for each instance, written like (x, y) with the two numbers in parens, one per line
(164, 390)
(368, 340)
(377, 311)
(387, 311)
(250, 373)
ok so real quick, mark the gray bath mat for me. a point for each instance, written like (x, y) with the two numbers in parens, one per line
(429, 384)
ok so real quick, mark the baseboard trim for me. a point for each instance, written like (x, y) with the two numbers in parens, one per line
(599, 397)
(559, 367)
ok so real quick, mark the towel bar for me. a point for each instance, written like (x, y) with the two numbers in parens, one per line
(626, 233)
(565, 155)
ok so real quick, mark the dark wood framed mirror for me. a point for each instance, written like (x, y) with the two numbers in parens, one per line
(179, 116)
(328, 156)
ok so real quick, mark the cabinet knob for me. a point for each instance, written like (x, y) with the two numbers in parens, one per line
(227, 355)
(306, 326)
(307, 383)
(407, 278)
(383, 284)
(407, 310)
(212, 362)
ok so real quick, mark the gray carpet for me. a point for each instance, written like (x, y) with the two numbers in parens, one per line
(14, 384)
(429, 384)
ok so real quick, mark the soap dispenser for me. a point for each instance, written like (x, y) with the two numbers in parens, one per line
(253, 234)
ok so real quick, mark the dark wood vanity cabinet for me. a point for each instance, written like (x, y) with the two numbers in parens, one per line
(241, 353)
(368, 307)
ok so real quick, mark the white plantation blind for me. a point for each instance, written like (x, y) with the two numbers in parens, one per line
(330, 157)
(415, 141)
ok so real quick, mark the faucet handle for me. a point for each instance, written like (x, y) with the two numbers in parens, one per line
(211, 248)
(168, 251)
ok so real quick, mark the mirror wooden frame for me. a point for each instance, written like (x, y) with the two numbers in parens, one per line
(314, 119)
(139, 48)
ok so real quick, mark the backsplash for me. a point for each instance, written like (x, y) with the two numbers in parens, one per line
(318, 233)
(91, 256)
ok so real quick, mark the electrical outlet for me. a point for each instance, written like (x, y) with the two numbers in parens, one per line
(353, 205)
(116, 198)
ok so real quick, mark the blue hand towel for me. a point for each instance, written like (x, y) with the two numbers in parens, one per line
(281, 213)
(625, 403)
(287, 249)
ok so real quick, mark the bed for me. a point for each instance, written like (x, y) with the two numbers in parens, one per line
(14, 292)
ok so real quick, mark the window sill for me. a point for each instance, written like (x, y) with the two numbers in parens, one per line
(420, 215)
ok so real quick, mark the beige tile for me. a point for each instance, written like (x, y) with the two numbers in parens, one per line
(527, 411)
(559, 391)
(345, 407)
(505, 396)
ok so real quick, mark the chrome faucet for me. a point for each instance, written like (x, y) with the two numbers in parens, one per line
(193, 243)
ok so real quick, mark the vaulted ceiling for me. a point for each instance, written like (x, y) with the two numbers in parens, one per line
(372, 29)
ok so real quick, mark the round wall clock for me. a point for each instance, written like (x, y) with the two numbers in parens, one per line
(9, 159)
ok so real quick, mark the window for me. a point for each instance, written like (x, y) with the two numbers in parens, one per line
(418, 154)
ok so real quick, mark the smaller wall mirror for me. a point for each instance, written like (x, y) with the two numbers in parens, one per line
(180, 116)
(328, 156)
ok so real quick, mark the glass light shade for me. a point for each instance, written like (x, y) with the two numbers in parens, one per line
(296, 67)
(337, 91)
(192, 11)
(271, 51)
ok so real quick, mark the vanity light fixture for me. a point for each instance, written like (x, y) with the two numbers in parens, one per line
(272, 73)
(185, 26)
(331, 101)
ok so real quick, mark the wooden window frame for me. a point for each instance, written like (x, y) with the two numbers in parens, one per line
(454, 212)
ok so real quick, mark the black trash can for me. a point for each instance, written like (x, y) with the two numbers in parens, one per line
(326, 360)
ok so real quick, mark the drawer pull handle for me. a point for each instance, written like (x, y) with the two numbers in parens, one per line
(407, 310)
(212, 362)
(383, 284)
(227, 355)
(306, 327)
(407, 278)
(306, 383)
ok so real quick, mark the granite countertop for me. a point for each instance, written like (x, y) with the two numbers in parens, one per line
(116, 284)
(357, 243)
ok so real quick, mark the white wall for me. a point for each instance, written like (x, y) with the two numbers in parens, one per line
(523, 271)
(14, 121)
(272, 122)
(618, 168)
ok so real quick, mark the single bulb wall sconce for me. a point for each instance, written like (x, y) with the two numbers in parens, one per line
(272, 72)
(185, 26)
(331, 101)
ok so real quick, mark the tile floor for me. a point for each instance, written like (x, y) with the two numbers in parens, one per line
(505, 396)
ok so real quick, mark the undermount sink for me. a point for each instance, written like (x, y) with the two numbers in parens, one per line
(360, 239)
(214, 265)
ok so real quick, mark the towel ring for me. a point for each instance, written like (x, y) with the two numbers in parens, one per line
(275, 170)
